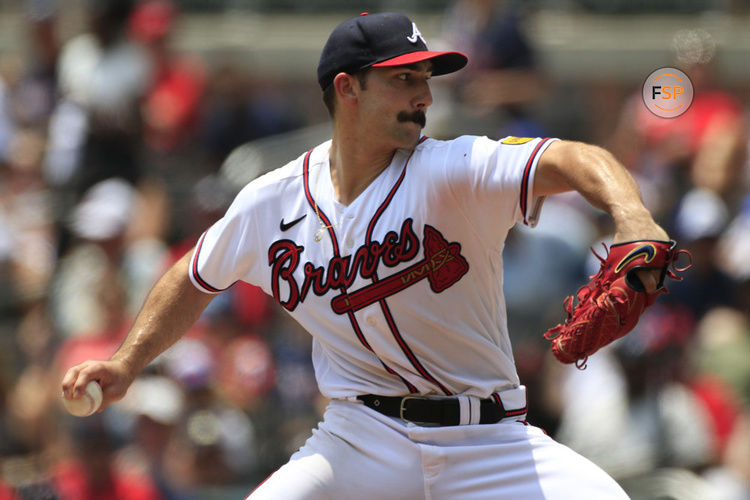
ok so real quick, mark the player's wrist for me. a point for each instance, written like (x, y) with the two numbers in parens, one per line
(636, 224)
(126, 365)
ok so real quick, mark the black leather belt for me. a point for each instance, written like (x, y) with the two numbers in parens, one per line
(434, 411)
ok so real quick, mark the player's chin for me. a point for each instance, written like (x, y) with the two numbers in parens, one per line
(414, 128)
(406, 135)
(411, 138)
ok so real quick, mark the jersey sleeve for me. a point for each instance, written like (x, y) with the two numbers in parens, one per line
(226, 252)
(529, 205)
(495, 181)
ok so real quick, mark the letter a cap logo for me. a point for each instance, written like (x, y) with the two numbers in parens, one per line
(380, 40)
(415, 34)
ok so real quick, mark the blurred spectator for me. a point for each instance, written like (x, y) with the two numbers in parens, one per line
(32, 399)
(296, 387)
(245, 371)
(156, 405)
(42, 16)
(491, 32)
(241, 108)
(145, 251)
(723, 337)
(723, 346)
(28, 79)
(502, 81)
(115, 232)
(701, 217)
(732, 479)
(172, 103)
(27, 234)
(99, 223)
(706, 147)
(89, 343)
(96, 471)
(734, 246)
(201, 206)
(95, 131)
(226, 373)
(171, 110)
(666, 417)
(631, 411)
(217, 437)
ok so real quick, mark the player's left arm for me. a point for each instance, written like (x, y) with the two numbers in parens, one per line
(597, 175)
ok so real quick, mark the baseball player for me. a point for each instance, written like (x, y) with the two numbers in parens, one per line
(386, 246)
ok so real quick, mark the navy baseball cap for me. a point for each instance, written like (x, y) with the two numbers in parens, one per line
(378, 40)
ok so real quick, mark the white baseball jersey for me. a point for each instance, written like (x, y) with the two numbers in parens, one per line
(402, 290)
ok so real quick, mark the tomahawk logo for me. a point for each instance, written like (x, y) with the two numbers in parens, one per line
(442, 266)
(415, 35)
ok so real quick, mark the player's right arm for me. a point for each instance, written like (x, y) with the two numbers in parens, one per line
(170, 309)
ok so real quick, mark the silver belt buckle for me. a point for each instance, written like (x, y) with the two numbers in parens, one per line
(402, 408)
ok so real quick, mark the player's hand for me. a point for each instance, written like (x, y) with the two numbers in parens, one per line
(113, 376)
(649, 278)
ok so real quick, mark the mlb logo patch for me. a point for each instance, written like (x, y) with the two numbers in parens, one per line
(516, 140)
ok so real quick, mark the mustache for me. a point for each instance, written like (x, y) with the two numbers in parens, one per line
(417, 117)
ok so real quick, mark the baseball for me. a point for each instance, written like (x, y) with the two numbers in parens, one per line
(87, 403)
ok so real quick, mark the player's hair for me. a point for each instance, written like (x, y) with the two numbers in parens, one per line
(329, 94)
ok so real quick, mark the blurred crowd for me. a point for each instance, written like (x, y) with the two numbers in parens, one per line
(111, 147)
(111, 143)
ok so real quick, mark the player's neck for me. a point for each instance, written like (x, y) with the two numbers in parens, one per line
(354, 165)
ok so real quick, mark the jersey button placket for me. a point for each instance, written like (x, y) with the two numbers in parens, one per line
(347, 217)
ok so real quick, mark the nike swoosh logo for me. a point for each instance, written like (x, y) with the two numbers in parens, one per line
(288, 225)
(647, 251)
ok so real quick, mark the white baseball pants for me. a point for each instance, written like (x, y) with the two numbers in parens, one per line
(357, 453)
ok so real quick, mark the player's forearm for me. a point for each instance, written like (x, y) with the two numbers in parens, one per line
(604, 182)
(607, 185)
(170, 309)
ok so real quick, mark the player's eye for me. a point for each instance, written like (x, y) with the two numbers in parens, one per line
(403, 76)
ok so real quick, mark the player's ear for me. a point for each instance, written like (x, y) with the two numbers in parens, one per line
(346, 88)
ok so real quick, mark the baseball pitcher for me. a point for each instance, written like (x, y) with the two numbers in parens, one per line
(386, 245)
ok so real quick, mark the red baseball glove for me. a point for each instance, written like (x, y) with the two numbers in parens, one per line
(611, 303)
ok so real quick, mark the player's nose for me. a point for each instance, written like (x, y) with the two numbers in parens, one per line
(423, 99)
